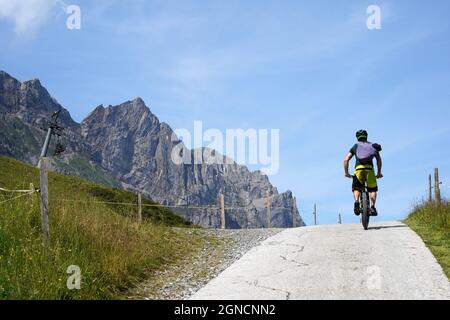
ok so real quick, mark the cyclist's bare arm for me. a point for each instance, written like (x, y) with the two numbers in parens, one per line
(347, 159)
(379, 166)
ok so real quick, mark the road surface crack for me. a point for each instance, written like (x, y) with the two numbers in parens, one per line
(255, 283)
(299, 264)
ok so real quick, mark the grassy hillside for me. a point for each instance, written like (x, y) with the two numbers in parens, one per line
(79, 166)
(104, 240)
(432, 222)
(13, 132)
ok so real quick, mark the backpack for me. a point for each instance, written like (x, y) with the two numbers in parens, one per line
(366, 151)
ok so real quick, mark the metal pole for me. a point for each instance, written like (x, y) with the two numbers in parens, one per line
(45, 146)
(46, 143)
(52, 124)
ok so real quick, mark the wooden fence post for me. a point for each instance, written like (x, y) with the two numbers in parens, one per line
(430, 193)
(44, 200)
(139, 213)
(315, 214)
(437, 191)
(222, 211)
(293, 212)
(268, 205)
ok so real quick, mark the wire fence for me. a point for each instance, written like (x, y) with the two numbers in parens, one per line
(22, 193)
(217, 207)
(15, 198)
(101, 179)
(220, 207)
(17, 191)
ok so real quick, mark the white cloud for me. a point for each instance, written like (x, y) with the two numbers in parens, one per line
(27, 15)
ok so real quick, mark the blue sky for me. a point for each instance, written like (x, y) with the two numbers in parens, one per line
(310, 68)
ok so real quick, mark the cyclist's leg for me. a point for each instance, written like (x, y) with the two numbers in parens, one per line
(373, 198)
(372, 187)
(357, 187)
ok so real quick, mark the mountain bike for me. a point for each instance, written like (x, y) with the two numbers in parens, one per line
(364, 205)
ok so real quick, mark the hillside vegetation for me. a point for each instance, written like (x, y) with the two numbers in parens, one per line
(104, 240)
(432, 222)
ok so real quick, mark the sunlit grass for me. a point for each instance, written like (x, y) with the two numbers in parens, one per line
(105, 241)
(432, 222)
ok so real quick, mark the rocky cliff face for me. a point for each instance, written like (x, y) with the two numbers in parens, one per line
(131, 142)
(133, 146)
(25, 108)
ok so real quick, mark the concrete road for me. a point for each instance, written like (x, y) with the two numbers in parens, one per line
(389, 261)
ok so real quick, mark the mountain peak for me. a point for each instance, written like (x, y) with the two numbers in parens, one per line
(135, 104)
(36, 81)
(4, 74)
(36, 85)
(7, 78)
(138, 101)
(133, 108)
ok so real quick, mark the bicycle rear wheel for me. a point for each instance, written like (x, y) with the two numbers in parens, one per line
(365, 210)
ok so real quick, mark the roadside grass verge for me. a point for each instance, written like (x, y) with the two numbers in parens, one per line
(111, 249)
(431, 222)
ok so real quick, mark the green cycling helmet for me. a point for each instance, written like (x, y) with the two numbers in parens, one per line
(362, 135)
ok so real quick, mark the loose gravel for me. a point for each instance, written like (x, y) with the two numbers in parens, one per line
(221, 249)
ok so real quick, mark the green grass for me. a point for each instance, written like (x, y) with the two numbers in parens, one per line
(111, 249)
(432, 223)
(79, 166)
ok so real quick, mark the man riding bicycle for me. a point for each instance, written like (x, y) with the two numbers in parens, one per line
(364, 152)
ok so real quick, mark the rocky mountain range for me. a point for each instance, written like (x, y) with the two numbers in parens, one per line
(127, 146)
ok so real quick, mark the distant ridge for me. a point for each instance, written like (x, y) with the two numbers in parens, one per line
(126, 145)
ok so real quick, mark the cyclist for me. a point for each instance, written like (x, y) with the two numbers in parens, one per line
(364, 152)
